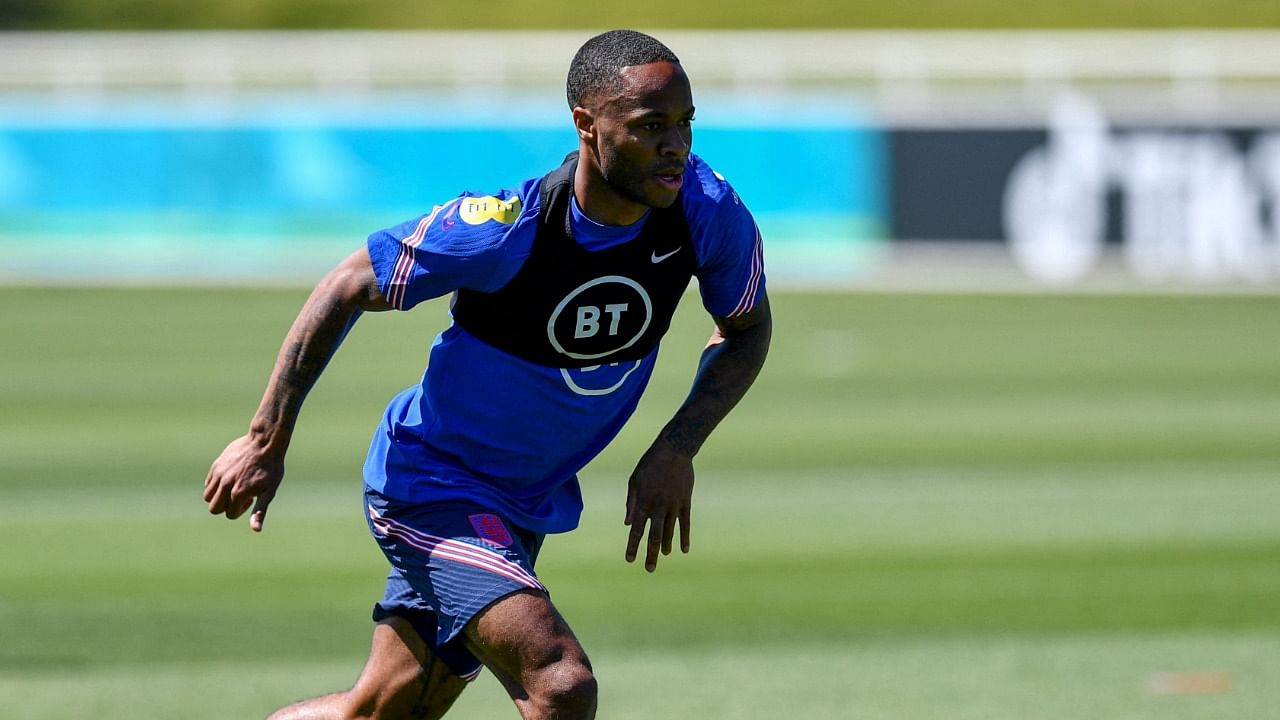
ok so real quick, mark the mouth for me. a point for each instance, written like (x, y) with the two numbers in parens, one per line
(671, 180)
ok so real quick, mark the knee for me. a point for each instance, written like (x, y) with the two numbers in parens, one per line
(394, 698)
(353, 704)
(566, 689)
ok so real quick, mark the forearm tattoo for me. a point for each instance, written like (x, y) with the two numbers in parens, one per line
(311, 343)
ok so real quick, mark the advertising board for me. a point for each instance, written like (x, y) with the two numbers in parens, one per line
(1179, 204)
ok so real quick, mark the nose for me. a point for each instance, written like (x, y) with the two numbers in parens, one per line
(676, 142)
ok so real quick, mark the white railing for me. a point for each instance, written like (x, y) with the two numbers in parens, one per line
(916, 76)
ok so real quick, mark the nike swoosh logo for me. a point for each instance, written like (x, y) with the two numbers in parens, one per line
(655, 258)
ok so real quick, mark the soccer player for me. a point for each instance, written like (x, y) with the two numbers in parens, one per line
(562, 288)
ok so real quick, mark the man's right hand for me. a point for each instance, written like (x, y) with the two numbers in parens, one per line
(246, 473)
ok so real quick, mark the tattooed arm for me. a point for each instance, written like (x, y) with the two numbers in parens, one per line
(660, 491)
(249, 470)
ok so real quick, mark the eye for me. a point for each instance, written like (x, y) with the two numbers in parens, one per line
(687, 122)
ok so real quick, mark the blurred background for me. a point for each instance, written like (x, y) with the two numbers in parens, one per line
(1060, 157)
(1014, 455)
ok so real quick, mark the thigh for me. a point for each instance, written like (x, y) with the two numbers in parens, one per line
(519, 637)
(403, 678)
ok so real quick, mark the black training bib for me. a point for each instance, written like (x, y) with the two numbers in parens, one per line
(568, 307)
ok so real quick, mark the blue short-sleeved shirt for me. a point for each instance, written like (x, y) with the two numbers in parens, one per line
(489, 427)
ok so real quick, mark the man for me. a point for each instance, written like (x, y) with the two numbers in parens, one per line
(561, 288)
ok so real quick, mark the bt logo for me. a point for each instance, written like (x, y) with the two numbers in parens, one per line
(599, 318)
(589, 319)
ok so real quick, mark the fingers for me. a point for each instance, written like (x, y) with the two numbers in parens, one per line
(656, 532)
(662, 530)
(226, 501)
(232, 498)
(239, 503)
(685, 517)
(218, 495)
(668, 533)
(634, 537)
(259, 515)
(235, 500)
(210, 487)
(660, 535)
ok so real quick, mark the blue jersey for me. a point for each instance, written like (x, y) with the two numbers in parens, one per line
(486, 426)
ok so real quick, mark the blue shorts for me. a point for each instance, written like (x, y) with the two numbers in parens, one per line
(449, 561)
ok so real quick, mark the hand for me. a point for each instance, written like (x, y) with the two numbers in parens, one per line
(659, 493)
(244, 474)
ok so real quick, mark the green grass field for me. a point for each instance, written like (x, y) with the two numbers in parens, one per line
(930, 507)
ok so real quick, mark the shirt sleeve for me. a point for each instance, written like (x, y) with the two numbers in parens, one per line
(729, 246)
(464, 243)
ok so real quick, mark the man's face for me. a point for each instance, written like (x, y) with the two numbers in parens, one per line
(643, 134)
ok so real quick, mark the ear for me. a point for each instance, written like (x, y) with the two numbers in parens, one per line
(584, 121)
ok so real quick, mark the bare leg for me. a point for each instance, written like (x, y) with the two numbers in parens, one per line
(402, 679)
(529, 647)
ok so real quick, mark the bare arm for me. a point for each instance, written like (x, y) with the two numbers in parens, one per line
(251, 467)
(660, 490)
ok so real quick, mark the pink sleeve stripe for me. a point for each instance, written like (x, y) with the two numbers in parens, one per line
(404, 260)
(748, 300)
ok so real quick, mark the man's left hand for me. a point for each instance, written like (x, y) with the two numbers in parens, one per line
(660, 494)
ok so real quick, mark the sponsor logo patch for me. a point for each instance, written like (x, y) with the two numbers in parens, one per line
(490, 527)
(477, 210)
(600, 317)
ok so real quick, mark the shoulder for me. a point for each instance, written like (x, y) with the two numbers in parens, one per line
(726, 241)
(470, 225)
(476, 240)
(493, 232)
(481, 222)
(718, 219)
(707, 191)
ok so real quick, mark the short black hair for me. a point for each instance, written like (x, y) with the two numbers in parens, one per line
(597, 63)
